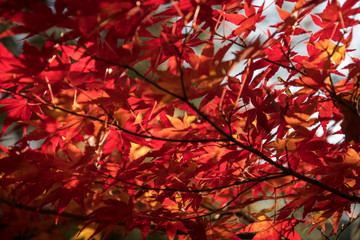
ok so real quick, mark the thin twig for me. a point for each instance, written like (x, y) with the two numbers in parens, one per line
(237, 183)
(44, 211)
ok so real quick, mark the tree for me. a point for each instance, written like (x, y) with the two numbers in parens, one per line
(178, 116)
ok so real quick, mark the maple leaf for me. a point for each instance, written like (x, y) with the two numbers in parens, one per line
(331, 50)
(17, 108)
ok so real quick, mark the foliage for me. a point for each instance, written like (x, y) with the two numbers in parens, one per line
(134, 117)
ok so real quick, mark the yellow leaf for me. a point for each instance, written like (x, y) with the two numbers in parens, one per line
(280, 145)
(177, 123)
(352, 157)
(137, 151)
(351, 183)
(188, 120)
(74, 153)
(138, 119)
(121, 116)
(300, 119)
(262, 217)
(337, 53)
(86, 233)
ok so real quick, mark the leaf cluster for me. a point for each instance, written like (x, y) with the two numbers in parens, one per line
(178, 116)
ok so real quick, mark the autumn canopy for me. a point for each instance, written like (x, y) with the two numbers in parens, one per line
(201, 119)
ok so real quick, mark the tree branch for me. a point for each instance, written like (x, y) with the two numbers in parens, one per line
(43, 210)
(252, 149)
(238, 183)
(116, 125)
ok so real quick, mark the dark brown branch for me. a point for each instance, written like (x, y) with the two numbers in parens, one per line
(79, 217)
(43, 210)
(285, 170)
(243, 45)
(238, 183)
(116, 125)
(201, 215)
